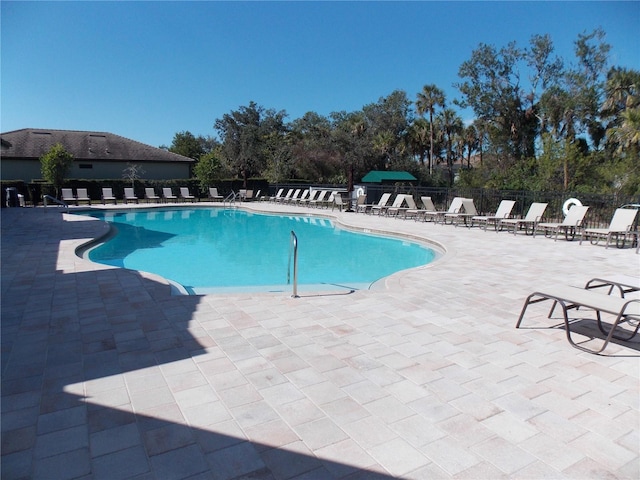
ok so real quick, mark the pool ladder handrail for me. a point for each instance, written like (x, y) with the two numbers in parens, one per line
(231, 198)
(293, 246)
(54, 200)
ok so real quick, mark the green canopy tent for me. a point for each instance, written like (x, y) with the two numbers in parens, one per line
(384, 176)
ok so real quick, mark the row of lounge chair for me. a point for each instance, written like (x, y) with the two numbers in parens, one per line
(129, 195)
(309, 198)
(463, 211)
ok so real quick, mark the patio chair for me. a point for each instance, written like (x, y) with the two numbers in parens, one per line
(150, 194)
(503, 211)
(411, 205)
(621, 224)
(286, 197)
(574, 297)
(532, 218)
(107, 195)
(129, 194)
(338, 202)
(214, 195)
(384, 199)
(361, 203)
(571, 223)
(427, 206)
(467, 211)
(456, 205)
(82, 195)
(248, 196)
(68, 196)
(185, 194)
(167, 194)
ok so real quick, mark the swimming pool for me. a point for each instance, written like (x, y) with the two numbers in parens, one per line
(218, 249)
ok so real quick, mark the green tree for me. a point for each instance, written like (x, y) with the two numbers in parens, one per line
(55, 164)
(244, 134)
(186, 144)
(208, 170)
(428, 99)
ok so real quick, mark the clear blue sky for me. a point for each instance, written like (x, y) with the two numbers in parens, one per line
(146, 70)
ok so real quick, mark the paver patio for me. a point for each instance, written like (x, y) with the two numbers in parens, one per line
(105, 374)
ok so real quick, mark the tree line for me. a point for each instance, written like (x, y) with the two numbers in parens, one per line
(540, 123)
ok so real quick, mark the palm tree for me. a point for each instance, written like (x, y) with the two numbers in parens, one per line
(430, 97)
(452, 125)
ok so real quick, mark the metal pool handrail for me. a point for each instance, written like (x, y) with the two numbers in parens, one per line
(293, 246)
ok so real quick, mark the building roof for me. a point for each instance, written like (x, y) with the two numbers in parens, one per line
(32, 143)
(379, 176)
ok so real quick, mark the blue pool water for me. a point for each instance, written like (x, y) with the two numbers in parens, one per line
(204, 249)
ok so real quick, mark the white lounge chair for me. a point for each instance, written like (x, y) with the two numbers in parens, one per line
(571, 223)
(129, 195)
(167, 194)
(394, 208)
(503, 211)
(622, 283)
(456, 205)
(319, 200)
(620, 226)
(286, 197)
(303, 197)
(276, 196)
(467, 211)
(312, 196)
(214, 195)
(292, 198)
(186, 195)
(574, 297)
(150, 194)
(82, 195)
(532, 218)
(107, 195)
(377, 207)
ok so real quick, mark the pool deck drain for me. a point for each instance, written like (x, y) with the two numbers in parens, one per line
(105, 374)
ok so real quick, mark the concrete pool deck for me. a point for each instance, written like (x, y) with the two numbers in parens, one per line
(105, 374)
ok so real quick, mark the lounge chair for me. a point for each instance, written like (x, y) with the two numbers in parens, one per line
(532, 218)
(150, 194)
(411, 205)
(571, 223)
(167, 194)
(467, 211)
(623, 284)
(319, 200)
(620, 226)
(107, 195)
(129, 194)
(302, 198)
(248, 196)
(286, 197)
(575, 297)
(292, 198)
(276, 196)
(456, 205)
(214, 195)
(186, 195)
(82, 195)
(384, 199)
(394, 208)
(504, 210)
(427, 206)
(68, 196)
(312, 196)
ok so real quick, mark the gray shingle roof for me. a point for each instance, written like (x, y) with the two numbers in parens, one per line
(33, 143)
